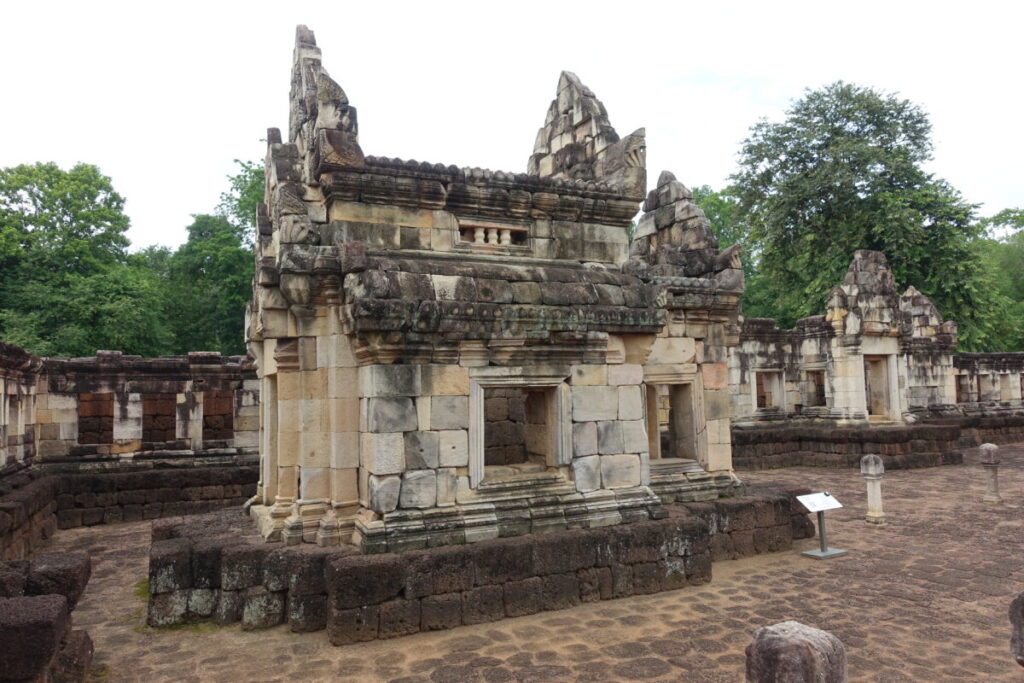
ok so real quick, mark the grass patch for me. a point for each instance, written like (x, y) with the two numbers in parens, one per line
(190, 627)
(141, 589)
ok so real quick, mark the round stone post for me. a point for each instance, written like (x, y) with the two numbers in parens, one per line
(990, 462)
(1017, 634)
(872, 467)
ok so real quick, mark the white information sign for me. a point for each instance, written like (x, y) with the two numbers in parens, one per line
(819, 502)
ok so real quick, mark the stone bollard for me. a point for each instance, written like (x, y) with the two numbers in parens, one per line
(990, 461)
(1017, 622)
(872, 467)
(790, 652)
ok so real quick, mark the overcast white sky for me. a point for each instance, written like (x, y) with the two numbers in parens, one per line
(162, 96)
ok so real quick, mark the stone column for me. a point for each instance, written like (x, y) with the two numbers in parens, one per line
(872, 468)
(990, 463)
(791, 651)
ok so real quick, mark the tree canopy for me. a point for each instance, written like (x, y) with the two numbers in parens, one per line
(69, 287)
(844, 172)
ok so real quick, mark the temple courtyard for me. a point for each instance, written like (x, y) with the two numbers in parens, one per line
(923, 598)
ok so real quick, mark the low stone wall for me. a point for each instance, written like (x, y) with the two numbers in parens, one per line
(976, 430)
(33, 505)
(901, 447)
(37, 642)
(203, 569)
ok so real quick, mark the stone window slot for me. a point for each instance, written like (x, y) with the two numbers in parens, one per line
(96, 418)
(984, 383)
(671, 422)
(218, 415)
(1005, 387)
(877, 391)
(963, 388)
(814, 396)
(768, 389)
(158, 417)
(491, 236)
(519, 423)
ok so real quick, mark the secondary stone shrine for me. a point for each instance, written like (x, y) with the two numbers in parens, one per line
(449, 354)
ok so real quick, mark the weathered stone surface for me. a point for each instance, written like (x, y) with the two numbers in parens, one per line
(262, 608)
(61, 573)
(584, 438)
(419, 489)
(449, 412)
(307, 613)
(170, 565)
(356, 625)
(383, 493)
(618, 471)
(364, 580)
(241, 566)
(441, 611)
(609, 437)
(32, 629)
(74, 658)
(586, 472)
(791, 651)
(454, 448)
(483, 604)
(595, 403)
(399, 618)
(390, 414)
(422, 450)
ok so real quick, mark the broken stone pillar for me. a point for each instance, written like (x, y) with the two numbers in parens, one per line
(790, 652)
(872, 467)
(1017, 636)
(990, 463)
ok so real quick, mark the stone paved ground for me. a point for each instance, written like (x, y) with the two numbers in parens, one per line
(922, 599)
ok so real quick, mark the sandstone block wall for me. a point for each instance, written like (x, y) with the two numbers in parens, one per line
(901, 447)
(33, 504)
(36, 600)
(200, 572)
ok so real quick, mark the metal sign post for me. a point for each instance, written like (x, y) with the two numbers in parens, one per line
(819, 502)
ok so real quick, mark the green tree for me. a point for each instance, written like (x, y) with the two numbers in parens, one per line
(238, 204)
(120, 307)
(210, 282)
(66, 284)
(54, 223)
(844, 172)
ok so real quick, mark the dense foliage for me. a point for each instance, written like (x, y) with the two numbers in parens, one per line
(844, 172)
(68, 285)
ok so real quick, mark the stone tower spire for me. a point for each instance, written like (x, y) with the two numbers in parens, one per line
(578, 142)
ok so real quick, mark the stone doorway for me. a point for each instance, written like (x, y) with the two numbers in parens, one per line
(672, 428)
(876, 387)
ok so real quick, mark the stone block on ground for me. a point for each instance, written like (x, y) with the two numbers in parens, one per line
(791, 651)
(1017, 624)
(32, 629)
(74, 659)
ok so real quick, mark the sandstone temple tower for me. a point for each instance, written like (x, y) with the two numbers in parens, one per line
(450, 354)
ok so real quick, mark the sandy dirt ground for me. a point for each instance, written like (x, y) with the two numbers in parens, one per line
(924, 598)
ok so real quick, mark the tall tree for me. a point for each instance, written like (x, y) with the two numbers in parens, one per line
(238, 204)
(844, 172)
(210, 283)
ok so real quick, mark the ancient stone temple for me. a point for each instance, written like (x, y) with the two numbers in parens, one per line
(451, 354)
(876, 356)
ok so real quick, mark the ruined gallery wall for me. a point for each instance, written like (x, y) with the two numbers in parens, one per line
(69, 428)
(19, 372)
(113, 411)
